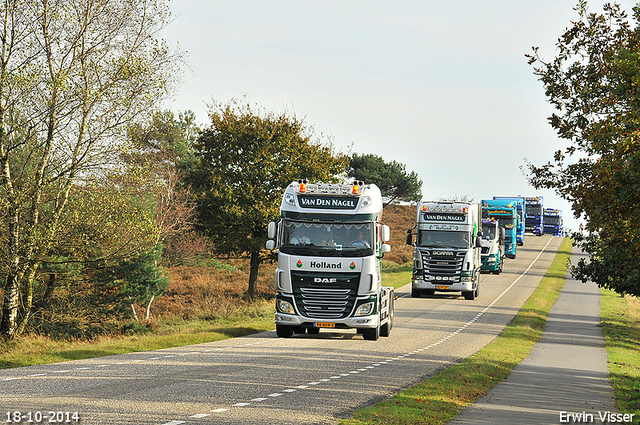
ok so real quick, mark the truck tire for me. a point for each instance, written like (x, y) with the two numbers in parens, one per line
(313, 331)
(284, 331)
(385, 330)
(416, 293)
(371, 334)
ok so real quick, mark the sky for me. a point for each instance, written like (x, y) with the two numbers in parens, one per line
(442, 87)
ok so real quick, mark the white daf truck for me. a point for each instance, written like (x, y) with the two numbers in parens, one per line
(447, 254)
(330, 243)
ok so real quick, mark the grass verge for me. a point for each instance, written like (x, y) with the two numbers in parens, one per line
(621, 326)
(439, 398)
(32, 350)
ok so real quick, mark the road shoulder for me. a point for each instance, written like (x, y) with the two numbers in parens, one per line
(565, 378)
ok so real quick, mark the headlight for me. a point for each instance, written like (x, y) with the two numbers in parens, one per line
(289, 198)
(284, 307)
(364, 310)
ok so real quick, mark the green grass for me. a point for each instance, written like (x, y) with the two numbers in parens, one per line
(439, 398)
(397, 276)
(621, 326)
(32, 350)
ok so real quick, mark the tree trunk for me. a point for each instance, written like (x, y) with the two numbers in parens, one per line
(10, 306)
(27, 307)
(48, 293)
(146, 317)
(253, 274)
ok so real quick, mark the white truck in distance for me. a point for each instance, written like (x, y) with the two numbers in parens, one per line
(447, 248)
(492, 246)
(330, 243)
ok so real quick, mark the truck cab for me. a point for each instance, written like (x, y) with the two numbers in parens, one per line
(492, 252)
(330, 242)
(553, 222)
(534, 219)
(505, 213)
(521, 211)
(447, 248)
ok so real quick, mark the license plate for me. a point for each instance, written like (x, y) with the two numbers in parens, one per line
(324, 325)
(442, 287)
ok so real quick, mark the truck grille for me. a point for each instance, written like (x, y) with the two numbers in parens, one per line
(325, 295)
(443, 266)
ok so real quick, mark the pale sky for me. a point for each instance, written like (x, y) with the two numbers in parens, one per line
(441, 86)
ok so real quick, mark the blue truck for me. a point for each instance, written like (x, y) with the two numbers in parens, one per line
(521, 210)
(533, 222)
(553, 222)
(505, 212)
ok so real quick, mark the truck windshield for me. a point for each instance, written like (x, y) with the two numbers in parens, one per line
(507, 222)
(489, 231)
(442, 239)
(552, 220)
(326, 239)
(534, 209)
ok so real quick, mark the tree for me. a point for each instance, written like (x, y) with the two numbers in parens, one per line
(159, 146)
(593, 84)
(391, 177)
(135, 280)
(72, 75)
(243, 162)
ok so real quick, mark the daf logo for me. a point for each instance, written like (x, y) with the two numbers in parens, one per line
(324, 280)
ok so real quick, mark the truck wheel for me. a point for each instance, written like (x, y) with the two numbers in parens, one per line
(469, 295)
(385, 330)
(313, 331)
(284, 331)
(416, 293)
(477, 291)
(371, 334)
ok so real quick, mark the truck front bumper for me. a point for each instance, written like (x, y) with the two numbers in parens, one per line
(362, 322)
(490, 263)
(417, 283)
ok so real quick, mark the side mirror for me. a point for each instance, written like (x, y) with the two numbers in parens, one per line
(272, 230)
(271, 244)
(501, 234)
(385, 233)
(409, 240)
(479, 241)
(384, 249)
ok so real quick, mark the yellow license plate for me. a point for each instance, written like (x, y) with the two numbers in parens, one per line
(442, 287)
(324, 325)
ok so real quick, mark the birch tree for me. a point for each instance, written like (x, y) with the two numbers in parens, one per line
(73, 74)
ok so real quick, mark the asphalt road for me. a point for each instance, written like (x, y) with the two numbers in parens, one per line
(262, 379)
